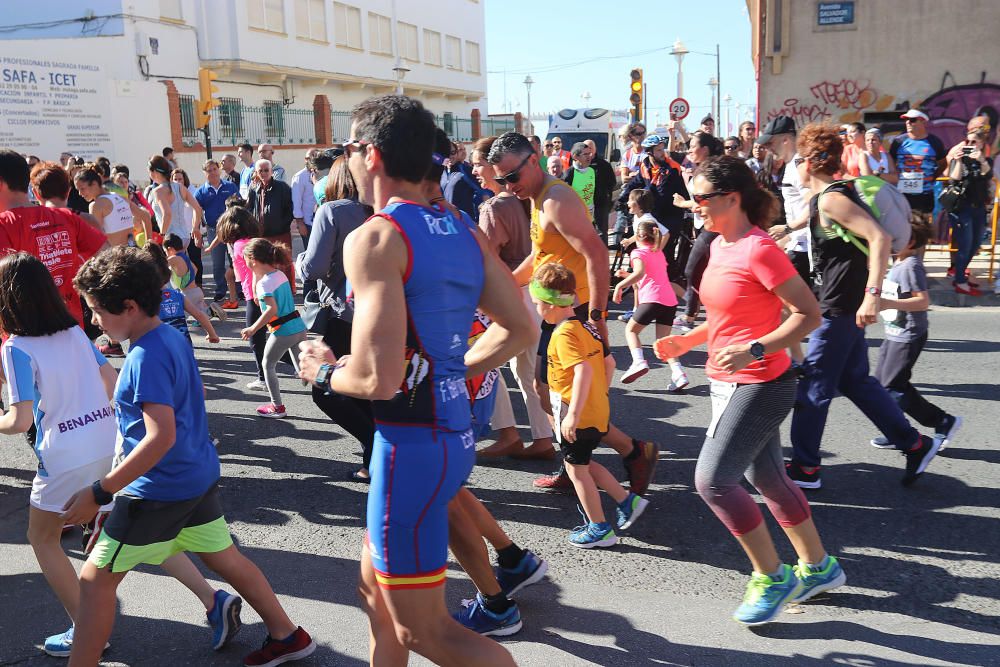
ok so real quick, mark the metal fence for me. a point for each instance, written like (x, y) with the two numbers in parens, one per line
(340, 126)
(458, 129)
(233, 123)
(496, 126)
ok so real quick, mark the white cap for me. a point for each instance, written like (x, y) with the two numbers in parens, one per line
(915, 113)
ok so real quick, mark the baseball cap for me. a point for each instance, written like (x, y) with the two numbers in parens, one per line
(707, 119)
(777, 125)
(915, 113)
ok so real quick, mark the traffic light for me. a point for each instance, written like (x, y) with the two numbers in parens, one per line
(206, 97)
(635, 98)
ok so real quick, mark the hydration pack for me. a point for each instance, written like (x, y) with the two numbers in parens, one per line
(883, 202)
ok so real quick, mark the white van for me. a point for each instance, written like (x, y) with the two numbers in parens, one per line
(599, 125)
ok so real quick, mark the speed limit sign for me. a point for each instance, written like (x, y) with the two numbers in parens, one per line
(679, 109)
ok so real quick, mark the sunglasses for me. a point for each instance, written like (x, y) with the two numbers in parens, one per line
(548, 145)
(797, 161)
(731, 148)
(355, 145)
(514, 176)
(703, 199)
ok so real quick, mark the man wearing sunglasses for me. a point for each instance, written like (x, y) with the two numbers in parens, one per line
(561, 232)
(410, 357)
(920, 158)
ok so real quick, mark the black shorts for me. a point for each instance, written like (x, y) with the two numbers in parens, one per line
(578, 453)
(583, 312)
(647, 313)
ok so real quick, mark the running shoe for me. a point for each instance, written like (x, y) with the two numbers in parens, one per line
(816, 580)
(967, 289)
(229, 304)
(111, 350)
(678, 380)
(918, 459)
(256, 384)
(630, 510)
(882, 442)
(593, 535)
(626, 316)
(217, 312)
(529, 571)
(271, 411)
(557, 481)
(682, 325)
(803, 479)
(765, 597)
(224, 618)
(635, 371)
(478, 618)
(640, 469)
(279, 651)
(61, 645)
(946, 430)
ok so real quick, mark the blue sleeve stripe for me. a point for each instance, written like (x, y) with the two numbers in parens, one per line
(98, 356)
(20, 376)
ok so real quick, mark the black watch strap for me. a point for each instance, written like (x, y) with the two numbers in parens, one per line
(101, 497)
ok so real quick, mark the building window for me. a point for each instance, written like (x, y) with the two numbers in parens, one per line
(379, 33)
(453, 52)
(472, 57)
(408, 49)
(432, 47)
(230, 115)
(310, 19)
(266, 15)
(171, 10)
(274, 119)
(187, 116)
(347, 25)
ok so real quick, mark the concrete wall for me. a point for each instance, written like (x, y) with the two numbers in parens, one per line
(943, 57)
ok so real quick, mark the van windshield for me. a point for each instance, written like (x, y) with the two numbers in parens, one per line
(600, 139)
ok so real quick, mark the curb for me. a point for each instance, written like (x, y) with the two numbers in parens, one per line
(943, 294)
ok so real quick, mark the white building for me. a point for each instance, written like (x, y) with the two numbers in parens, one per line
(119, 77)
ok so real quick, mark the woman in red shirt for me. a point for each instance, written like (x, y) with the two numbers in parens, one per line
(745, 286)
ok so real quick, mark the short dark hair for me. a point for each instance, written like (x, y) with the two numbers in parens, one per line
(167, 150)
(642, 198)
(117, 274)
(709, 141)
(120, 169)
(30, 303)
(442, 146)
(14, 170)
(173, 242)
(920, 234)
(208, 163)
(510, 143)
(245, 147)
(51, 180)
(401, 129)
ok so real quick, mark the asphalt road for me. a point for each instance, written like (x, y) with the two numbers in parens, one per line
(922, 562)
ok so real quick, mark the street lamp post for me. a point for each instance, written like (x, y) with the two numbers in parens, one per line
(400, 69)
(586, 99)
(713, 84)
(679, 51)
(527, 84)
(728, 99)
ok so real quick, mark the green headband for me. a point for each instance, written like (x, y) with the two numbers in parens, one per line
(549, 295)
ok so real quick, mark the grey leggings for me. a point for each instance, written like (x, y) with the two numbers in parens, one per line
(273, 351)
(747, 443)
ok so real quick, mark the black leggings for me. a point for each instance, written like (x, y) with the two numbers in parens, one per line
(695, 269)
(354, 415)
(259, 339)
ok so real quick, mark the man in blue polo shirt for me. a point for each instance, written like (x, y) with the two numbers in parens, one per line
(212, 197)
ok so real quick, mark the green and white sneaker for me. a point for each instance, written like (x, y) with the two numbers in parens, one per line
(815, 580)
(630, 510)
(593, 535)
(766, 597)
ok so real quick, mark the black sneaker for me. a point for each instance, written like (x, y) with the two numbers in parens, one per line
(918, 459)
(803, 479)
(946, 430)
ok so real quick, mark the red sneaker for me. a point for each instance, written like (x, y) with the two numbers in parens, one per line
(640, 469)
(967, 289)
(558, 480)
(230, 305)
(277, 652)
(272, 411)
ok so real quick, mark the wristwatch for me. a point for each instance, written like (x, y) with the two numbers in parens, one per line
(598, 315)
(757, 350)
(874, 291)
(323, 376)
(101, 497)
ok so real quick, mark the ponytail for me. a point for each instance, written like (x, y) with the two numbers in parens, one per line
(268, 252)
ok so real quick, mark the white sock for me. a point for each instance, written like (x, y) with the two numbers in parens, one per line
(638, 356)
(675, 365)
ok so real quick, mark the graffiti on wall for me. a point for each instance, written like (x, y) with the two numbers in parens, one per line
(847, 100)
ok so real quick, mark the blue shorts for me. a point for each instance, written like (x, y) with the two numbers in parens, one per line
(415, 471)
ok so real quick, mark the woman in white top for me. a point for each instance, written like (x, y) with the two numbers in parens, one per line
(877, 162)
(117, 216)
(168, 201)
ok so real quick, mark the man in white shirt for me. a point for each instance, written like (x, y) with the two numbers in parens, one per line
(303, 200)
(779, 137)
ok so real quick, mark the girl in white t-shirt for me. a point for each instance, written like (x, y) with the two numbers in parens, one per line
(59, 383)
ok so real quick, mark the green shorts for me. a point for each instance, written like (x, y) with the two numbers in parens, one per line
(150, 531)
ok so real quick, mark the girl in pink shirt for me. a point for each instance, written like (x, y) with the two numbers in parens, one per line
(655, 301)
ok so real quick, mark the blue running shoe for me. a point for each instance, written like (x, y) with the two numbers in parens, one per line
(224, 618)
(630, 510)
(816, 580)
(529, 570)
(61, 645)
(478, 618)
(593, 535)
(765, 597)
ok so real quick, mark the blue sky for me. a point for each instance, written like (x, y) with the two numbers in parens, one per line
(530, 37)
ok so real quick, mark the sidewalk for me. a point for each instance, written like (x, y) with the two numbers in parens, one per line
(943, 293)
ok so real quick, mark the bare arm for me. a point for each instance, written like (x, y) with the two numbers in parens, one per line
(569, 216)
(522, 274)
(109, 376)
(863, 165)
(853, 218)
(196, 207)
(917, 302)
(583, 375)
(17, 419)
(142, 215)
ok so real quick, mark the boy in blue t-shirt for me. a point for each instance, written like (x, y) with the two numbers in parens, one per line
(167, 475)
(904, 306)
